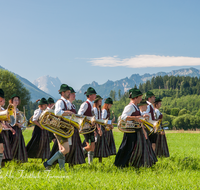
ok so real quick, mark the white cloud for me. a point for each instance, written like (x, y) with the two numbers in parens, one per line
(140, 61)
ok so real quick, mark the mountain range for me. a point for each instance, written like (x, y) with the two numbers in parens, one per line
(127, 83)
(49, 85)
(45, 85)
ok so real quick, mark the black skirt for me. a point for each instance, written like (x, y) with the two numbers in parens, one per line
(101, 146)
(161, 146)
(1, 139)
(7, 146)
(135, 150)
(18, 149)
(111, 142)
(75, 155)
(39, 145)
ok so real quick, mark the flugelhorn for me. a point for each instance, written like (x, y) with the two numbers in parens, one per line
(9, 115)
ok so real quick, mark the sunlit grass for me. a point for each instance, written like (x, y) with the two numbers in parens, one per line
(180, 171)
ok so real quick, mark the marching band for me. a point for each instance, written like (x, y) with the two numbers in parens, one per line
(141, 122)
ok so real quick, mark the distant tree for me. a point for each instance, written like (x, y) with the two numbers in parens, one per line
(182, 112)
(113, 95)
(12, 85)
(175, 111)
(119, 93)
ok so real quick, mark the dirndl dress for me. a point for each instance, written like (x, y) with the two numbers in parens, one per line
(39, 145)
(18, 149)
(161, 146)
(7, 154)
(135, 150)
(102, 149)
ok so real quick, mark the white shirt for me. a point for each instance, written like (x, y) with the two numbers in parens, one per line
(104, 114)
(148, 110)
(59, 106)
(84, 107)
(128, 110)
(37, 114)
(97, 113)
(157, 113)
(70, 105)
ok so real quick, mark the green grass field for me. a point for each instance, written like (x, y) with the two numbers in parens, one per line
(180, 171)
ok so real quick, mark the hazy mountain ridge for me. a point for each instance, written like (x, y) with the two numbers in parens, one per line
(35, 92)
(127, 83)
(49, 85)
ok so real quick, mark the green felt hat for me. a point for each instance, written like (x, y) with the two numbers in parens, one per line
(1, 93)
(134, 92)
(149, 94)
(157, 100)
(72, 90)
(50, 100)
(109, 101)
(142, 103)
(63, 88)
(97, 98)
(14, 95)
(90, 91)
(43, 101)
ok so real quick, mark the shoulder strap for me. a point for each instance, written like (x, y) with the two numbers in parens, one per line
(64, 104)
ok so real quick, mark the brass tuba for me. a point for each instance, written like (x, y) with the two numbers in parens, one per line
(88, 123)
(9, 115)
(57, 124)
(127, 126)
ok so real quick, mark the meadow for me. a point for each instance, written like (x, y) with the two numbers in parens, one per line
(180, 171)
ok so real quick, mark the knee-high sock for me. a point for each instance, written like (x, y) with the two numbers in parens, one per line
(84, 151)
(90, 157)
(55, 157)
(1, 157)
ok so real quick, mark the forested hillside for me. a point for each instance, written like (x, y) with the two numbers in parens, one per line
(181, 100)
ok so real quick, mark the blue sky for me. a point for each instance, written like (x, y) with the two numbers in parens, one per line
(82, 41)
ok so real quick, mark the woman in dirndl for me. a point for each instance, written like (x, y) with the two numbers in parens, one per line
(135, 149)
(109, 134)
(161, 142)
(102, 149)
(39, 145)
(76, 154)
(18, 148)
(7, 155)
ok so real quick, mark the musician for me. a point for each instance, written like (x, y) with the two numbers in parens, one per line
(87, 109)
(161, 142)
(18, 149)
(7, 155)
(76, 154)
(150, 97)
(109, 134)
(101, 144)
(50, 105)
(39, 145)
(63, 143)
(135, 149)
(50, 102)
(1, 139)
